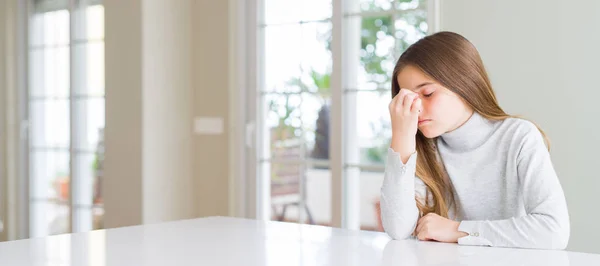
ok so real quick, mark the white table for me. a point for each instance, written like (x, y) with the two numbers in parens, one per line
(231, 241)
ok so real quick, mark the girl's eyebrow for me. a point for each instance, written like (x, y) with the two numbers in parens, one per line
(422, 85)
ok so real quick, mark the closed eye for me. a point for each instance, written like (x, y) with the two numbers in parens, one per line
(427, 95)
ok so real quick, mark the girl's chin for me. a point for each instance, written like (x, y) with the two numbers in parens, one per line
(429, 133)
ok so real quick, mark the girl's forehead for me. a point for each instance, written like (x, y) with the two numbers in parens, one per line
(413, 79)
(410, 74)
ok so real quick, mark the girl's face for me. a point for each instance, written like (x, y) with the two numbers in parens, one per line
(443, 110)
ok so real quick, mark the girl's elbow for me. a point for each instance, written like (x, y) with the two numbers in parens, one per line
(398, 230)
(562, 234)
(557, 234)
(558, 238)
(398, 234)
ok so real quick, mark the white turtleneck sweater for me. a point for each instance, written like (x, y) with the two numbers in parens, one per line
(506, 190)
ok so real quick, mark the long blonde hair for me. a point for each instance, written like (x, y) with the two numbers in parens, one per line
(454, 62)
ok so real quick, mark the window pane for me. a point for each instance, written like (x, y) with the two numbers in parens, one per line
(50, 28)
(89, 122)
(376, 44)
(372, 126)
(50, 73)
(409, 28)
(372, 5)
(298, 117)
(89, 69)
(95, 68)
(50, 116)
(61, 24)
(367, 113)
(286, 11)
(36, 72)
(316, 122)
(285, 194)
(49, 218)
(55, 28)
(294, 52)
(49, 56)
(410, 4)
(83, 191)
(95, 22)
(89, 51)
(370, 185)
(50, 123)
(300, 193)
(89, 126)
(36, 37)
(282, 118)
(318, 194)
(50, 175)
(286, 187)
(384, 5)
(85, 172)
(62, 66)
(49, 76)
(282, 56)
(296, 139)
(372, 53)
(56, 72)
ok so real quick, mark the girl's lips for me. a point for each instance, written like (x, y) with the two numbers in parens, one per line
(424, 121)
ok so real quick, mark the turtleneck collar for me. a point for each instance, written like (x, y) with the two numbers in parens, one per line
(470, 135)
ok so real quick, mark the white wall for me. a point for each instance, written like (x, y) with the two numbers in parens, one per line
(543, 58)
(148, 168)
(167, 62)
(211, 83)
(122, 184)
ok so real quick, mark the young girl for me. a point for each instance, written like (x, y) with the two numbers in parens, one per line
(459, 169)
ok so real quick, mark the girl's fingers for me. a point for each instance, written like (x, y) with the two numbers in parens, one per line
(423, 236)
(397, 100)
(417, 106)
(396, 104)
(419, 226)
(403, 93)
(408, 102)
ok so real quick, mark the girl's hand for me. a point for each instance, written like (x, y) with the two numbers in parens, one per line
(438, 228)
(404, 113)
